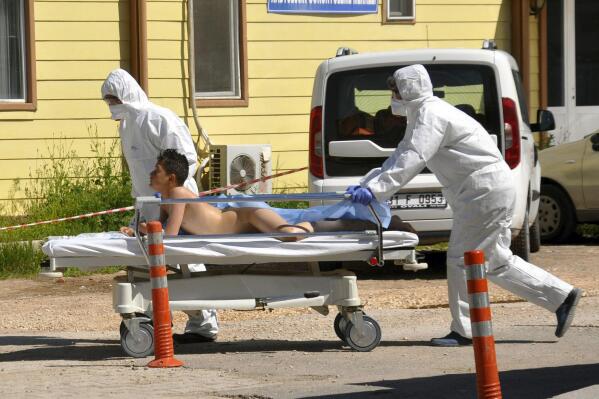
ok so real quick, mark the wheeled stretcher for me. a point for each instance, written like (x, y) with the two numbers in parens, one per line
(251, 287)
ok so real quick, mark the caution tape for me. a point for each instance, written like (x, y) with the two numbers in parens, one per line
(130, 208)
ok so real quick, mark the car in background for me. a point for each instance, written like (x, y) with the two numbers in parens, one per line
(569, 187)
(352, 130)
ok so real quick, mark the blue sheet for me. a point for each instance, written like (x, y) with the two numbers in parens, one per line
(341, 210)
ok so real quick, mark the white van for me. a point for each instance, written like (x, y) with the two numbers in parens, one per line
(352, 130)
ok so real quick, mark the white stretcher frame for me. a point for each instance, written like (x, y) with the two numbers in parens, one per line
(249, 290)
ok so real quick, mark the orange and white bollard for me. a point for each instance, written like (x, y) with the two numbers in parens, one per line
(163, 335)
(487, 376)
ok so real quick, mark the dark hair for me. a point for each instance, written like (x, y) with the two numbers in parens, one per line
(174, 163)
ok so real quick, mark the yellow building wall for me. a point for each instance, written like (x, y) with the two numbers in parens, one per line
(79, 43)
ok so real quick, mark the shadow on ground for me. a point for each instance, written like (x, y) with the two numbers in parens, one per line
(39, 348)
(538, 383)
(56, 348)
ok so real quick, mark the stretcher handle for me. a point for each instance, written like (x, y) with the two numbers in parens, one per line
(138, 237)
(260, 198)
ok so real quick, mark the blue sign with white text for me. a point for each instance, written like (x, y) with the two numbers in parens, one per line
(323, 6)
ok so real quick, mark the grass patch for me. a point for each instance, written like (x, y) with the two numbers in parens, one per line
(19, 259)
(588, 230)
(74, 272)
(441, 246)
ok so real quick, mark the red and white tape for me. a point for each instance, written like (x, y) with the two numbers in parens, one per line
(129, 208)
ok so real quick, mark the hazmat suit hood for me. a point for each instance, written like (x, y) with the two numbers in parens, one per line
(145, 130)
(123, 86)
(413, 83)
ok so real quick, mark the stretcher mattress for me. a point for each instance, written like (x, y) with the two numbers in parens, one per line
(103, 249)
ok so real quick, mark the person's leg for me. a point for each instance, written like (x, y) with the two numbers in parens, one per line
(267, 220)
(492, 235)
(474, 227)
(201, 322)
(531, 282)
(522, 278)
(457, 289)
(202, 325)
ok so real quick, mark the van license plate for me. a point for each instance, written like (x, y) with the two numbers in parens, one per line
(418, 200)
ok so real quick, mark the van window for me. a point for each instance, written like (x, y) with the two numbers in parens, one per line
(357, 107)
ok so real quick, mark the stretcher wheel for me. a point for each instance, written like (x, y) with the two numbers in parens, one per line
(123, 327)
(339, 325)
(370, 339)
(140, 344)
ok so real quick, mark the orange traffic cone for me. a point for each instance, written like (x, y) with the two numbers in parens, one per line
(163, 335)
(487, 376)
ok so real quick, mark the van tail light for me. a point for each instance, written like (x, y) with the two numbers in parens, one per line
(315, 149)
(512, 132)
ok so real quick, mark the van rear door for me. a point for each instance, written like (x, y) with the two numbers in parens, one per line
(357, 107)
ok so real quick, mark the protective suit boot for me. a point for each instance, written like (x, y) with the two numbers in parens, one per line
(565, 313)
(451, 340)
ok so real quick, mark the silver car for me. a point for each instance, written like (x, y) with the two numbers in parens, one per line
(569, 187)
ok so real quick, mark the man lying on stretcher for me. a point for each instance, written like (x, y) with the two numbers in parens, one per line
(168, 177)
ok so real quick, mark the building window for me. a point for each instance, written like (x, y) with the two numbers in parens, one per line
(400, 10)
(220, 52)
(16, 55)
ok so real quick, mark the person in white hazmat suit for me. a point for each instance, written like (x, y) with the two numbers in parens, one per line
(478, 186)
(145, 130)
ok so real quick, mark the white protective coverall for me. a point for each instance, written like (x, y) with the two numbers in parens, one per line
(478, 186)
(145, 130)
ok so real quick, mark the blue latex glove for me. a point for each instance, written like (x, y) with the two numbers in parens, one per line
(362, 196)
(351, 189)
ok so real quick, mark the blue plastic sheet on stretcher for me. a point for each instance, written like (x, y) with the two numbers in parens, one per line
(268, 287)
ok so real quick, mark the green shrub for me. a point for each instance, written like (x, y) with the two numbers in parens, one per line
(66, 186)
(19, 259)
(69, 186)
(588, 230)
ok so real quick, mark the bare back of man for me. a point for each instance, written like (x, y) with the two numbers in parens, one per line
(202, 218)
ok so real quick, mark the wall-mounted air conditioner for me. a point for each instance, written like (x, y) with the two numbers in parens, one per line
(238, 163)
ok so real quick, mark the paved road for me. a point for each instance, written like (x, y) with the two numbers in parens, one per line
(281, 360)
(297, 355)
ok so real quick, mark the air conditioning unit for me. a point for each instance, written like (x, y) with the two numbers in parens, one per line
(238, 163)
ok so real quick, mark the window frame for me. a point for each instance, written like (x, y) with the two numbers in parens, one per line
(243, 101)
(398, 20)
(30, 103)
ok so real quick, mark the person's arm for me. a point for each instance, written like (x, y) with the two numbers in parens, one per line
(175, 219)
(419, 145)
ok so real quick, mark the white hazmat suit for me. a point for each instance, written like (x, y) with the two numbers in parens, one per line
(478, 186)
(145, 130)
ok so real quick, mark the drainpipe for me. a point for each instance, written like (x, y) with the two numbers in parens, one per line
(205, 151)
(520, 40)
(138, 42)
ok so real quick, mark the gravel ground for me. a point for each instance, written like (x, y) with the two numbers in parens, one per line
(61, 337)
